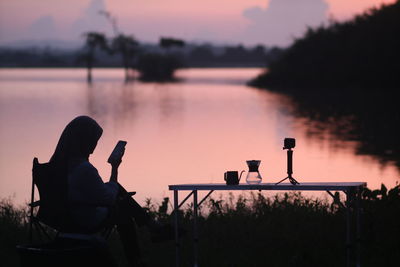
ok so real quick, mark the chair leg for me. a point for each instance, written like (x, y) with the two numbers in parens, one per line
(107, 232)
(128, 235)
(41, 230)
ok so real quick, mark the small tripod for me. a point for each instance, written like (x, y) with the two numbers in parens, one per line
(289, 144)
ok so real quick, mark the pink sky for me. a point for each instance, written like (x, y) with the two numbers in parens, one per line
(212, 20)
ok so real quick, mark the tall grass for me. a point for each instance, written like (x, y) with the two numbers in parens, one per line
(13, 231)
(254, 229)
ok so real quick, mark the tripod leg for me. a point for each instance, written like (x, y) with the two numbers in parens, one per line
(293, 181)
(282, 180)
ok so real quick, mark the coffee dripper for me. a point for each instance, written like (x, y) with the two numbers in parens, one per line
(253, 176)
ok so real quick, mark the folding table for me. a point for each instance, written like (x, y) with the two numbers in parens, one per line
(352, 191)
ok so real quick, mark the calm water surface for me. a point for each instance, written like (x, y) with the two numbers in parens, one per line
(187, 132)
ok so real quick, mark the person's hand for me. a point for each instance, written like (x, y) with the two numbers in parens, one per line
(117, 161)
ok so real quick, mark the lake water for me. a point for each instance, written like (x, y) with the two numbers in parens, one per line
(187, 132)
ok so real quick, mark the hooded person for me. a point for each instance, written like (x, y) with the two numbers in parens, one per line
(89, 198)
(92, 203)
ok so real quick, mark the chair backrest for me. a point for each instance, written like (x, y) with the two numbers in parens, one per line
(53, 187)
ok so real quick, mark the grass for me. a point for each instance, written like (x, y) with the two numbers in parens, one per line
(254, 230)
(13, 231)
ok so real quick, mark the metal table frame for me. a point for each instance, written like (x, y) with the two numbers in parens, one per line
(352, 191)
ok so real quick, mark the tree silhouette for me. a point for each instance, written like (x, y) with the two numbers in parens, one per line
(171, 42)
(127, 46)
(361, 53)
(93, 41)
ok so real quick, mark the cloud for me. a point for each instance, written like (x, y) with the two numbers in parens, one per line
(283, 20)
(91, 20)
(42, 28)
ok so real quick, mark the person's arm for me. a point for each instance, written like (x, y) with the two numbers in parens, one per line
(114, 168)
(114, 173)
(87, 187)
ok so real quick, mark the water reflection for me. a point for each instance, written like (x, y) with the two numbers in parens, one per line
(111, 103)
(367, 119)
(187, 132)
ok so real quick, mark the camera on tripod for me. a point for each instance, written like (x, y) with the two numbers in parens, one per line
(289, 143)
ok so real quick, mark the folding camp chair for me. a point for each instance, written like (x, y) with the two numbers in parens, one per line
(65, 244)
(53, 209)
(52, 206)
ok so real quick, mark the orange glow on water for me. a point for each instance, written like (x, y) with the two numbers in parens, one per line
(188, 132)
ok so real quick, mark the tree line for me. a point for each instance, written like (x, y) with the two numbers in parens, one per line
(345, 77)
(152, 61)
(360, 53)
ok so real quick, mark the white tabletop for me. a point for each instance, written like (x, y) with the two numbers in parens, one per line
(334, 186)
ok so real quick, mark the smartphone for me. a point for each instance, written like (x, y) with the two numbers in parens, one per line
(117, 153)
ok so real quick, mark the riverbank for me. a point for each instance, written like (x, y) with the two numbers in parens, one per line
(344, 76)
(252, 229)
(358, 54)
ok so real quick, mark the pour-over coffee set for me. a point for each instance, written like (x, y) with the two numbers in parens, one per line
(253, 176)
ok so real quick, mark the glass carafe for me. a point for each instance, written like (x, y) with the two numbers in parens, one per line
(253, 176)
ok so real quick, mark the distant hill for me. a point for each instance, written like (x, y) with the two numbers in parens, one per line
(41, 44)
(57, 53)
(362, 53)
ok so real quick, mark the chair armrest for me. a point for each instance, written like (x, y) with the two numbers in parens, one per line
(34, 204)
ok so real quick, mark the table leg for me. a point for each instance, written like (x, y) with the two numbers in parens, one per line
(358, 207)
(348, 230)
(195, 230)
(351, 219)
(176, 209)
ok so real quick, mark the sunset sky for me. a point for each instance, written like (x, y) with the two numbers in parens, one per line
(270, 22)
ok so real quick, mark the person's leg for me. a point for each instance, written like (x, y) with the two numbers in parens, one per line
(128, 205)
(127, 231)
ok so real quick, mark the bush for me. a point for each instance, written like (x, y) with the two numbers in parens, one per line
(158, 67)
(13, 231)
